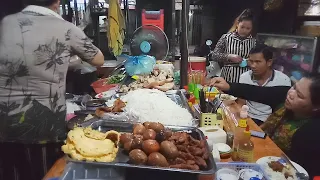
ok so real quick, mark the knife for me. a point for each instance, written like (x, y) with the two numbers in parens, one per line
(301, 176)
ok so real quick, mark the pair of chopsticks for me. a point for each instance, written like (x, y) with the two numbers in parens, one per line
(203, 103)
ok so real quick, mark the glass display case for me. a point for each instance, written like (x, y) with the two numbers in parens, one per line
(295, 56)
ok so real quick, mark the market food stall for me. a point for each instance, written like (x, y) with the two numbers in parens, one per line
(144, 123)
(263, 147)
(158, 130)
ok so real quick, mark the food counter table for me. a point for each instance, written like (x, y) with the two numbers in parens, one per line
(262, 147)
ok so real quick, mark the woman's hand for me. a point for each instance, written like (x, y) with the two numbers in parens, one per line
(235, 58)
(220, 84)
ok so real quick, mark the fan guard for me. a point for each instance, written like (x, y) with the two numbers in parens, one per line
(149, 40)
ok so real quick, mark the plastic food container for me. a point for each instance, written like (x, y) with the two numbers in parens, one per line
(197, 63)
(310, 28)
(77, 171)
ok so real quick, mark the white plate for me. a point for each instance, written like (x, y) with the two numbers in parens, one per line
(264, 160)
(226, 174)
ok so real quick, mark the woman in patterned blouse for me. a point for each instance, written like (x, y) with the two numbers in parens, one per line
(235, 46)
(295, 121)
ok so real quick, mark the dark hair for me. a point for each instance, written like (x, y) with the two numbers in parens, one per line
(246, 15)
(44, 3)
(315, 88)
(264, 49)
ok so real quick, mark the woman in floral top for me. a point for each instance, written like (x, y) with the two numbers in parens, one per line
(36, 45)
(294, 126)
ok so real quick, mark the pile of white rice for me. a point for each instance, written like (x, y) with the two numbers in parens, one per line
(279, 175)
(155, 106)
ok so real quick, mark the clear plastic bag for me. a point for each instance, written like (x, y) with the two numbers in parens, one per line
(76, 63)
(125, 116)
(139, 65)
(168, 68)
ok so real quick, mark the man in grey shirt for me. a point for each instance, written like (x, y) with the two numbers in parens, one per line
(262, 74)
(35, 48)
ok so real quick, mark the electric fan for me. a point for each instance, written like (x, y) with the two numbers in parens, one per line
(149, 40)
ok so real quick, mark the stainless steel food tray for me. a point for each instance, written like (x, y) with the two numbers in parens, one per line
(122, 158)
(176, 96)
(179, 98)
(80, 171)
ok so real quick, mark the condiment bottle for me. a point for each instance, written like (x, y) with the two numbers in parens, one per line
(242, 124)
(246, 146)
(192, 99)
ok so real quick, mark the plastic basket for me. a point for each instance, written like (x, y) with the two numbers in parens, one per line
(237, 166)
(101, 86)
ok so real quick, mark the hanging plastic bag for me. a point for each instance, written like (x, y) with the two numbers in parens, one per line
(139, 65)
(213, 69)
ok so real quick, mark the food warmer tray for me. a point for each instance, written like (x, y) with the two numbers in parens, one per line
(176, 96)
(77, 171)
(122, 158)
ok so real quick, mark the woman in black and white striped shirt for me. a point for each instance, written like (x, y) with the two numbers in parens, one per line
(235, 46)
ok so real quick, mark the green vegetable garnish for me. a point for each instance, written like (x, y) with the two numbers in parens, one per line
(115, 79)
